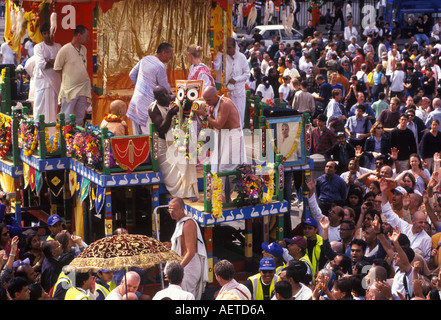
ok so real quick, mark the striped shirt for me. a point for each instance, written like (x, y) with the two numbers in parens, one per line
(146, 75)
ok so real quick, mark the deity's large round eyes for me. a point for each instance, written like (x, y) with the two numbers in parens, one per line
(181, 94)
(192, 94)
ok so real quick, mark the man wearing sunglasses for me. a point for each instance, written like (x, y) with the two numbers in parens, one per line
(261, 285)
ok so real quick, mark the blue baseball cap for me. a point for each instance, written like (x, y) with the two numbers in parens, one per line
(267, 264)
(273, 249)
(310, 221)
(53, 219)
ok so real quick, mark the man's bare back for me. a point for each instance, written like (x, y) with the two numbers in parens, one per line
(227, 111)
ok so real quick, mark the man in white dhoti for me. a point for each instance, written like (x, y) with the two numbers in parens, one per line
(223, 116)
(187, 241)
(179, 177)
(47, 82)
(148, 73)
(237, 73)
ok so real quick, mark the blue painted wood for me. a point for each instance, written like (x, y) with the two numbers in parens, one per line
(50, 164)
(235, 214)
(115, 179)
(10, 169)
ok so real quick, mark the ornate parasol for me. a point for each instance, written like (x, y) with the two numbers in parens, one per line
(121, 251)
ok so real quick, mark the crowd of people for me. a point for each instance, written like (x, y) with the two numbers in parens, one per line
(373, 228)
(374, 106)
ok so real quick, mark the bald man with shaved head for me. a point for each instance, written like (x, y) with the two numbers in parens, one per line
(223, 116)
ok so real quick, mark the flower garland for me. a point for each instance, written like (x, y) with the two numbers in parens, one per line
(248, 185)
(296, 141)
(217, 196)
(269, 183)
(115, 118)
(5, 135)
(182, 127)
(83, 145)
(51, 148)
(29, 136)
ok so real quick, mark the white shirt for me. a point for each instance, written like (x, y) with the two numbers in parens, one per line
(436, 31)
(264, 67)
(419, 240)
(397, 78)
(437, 72)
(267, 94)
(293, 73)
(29, 46)
(398, 283)
(421, 113)
(284, 90)
(304, 293)
(316, 213)
(8, 54)
(173, 292)
(305, 66)
(349, 32)
(114, 295)
(237, 69)
(236, 288)
(45, 78)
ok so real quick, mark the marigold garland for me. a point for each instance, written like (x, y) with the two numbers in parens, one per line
(217, 196)
(5, 135)
(51, 148)
(268, 197)
(115, 118)
(29, 136)
(29, 150)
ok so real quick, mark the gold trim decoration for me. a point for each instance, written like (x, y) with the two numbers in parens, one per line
(120, 251)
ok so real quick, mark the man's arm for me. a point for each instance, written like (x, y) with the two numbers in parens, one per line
(313, 205)
(133, 75)
(392, 218)
(162, 124)
(403, 257)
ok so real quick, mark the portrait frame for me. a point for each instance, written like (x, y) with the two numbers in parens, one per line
(292, 147)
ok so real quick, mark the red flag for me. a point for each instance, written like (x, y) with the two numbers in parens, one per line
(131, 151)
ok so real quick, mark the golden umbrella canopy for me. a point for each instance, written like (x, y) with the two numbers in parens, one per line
(121, 251)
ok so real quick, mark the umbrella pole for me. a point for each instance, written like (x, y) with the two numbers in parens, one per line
(155, 217)
(125, 281)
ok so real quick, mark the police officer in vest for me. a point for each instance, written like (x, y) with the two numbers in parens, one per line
(261, 285)
(296, 249)
(54, 225)
(84, 287)
(275, 251)
(63, 284)
(104, 283)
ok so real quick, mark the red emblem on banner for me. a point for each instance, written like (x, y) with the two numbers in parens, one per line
(131, 151)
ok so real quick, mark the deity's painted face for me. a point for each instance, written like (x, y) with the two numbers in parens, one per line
(187, 91)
